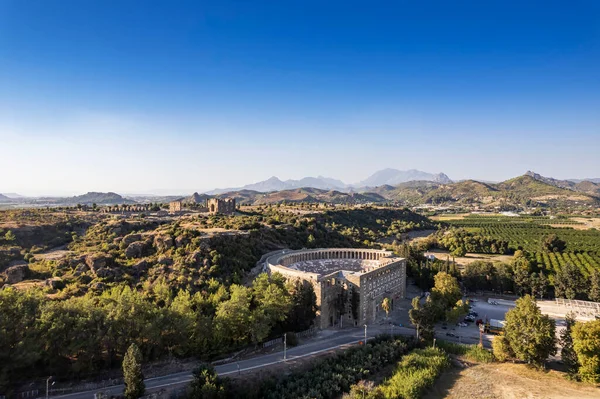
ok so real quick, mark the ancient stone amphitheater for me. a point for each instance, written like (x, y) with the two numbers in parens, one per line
(349, 283)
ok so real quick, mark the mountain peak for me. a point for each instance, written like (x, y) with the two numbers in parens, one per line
(392, 177)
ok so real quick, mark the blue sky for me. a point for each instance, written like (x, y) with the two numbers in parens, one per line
(134, 96)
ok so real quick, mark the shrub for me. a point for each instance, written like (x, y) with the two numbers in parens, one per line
(470, 352)
(416, 372)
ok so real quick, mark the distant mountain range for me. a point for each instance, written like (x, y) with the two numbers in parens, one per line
(275, 184)
(529, 189)
(388, 185)
(85, 199)
(382, 177)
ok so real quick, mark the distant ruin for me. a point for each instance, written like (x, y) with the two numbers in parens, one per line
(175, 206)
(224, 206)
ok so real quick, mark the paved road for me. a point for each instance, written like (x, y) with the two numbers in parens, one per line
(336, 340)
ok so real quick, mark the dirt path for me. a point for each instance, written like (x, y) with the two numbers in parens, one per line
(54, 253)
(508, 381)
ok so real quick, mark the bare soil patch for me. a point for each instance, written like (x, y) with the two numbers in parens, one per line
(508, 381)
(586, 223)
(462, 261)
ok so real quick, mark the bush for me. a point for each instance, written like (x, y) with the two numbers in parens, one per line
(416, 372)
(470, 352)
(501, 348)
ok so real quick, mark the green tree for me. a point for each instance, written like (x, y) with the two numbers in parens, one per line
(233, 316)
(551, 243)
(205, 384)
(478, 275)
(567, 353)
(459, 310)
(569, 282)
(271, 304)
(594, 294)
(459, 251)
(529, 333)
(132, 373)
(422, 317)
(445, 293)
(386, 305)
(586, 343)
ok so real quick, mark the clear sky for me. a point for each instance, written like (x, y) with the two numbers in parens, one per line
(134, 96)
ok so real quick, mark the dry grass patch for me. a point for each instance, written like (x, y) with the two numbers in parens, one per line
(508, 381)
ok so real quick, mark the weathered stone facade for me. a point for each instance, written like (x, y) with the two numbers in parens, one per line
(175, 206)
(349, 283)
(225, 206)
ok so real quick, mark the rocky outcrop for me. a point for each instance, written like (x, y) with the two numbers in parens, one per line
(97, 261)
(140, 267)
(17, 273)
(135, 250)
(105, 272)
(163, 243)
(54, 283)
(181, 241)
(131, 238)
(80, 269)
(165, 260)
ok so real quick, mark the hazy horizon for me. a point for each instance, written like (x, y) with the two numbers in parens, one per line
(197, 96)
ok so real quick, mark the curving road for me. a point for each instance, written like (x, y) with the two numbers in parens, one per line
(336, 340)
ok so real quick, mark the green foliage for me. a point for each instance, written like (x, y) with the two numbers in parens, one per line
(460, 241)
(9, 236)
(551, 243)
(422, 316)
(459, 310)
(551, 247)
(330, 377)
(530, 335)
(501, 348)
(586, 343)
(473, 353)
(181, 293)
(205, 384)
(444, 294)
(416, 372)
(594, 294)
(567, 353)
(133, 377)
(570, 283)
(386, 305)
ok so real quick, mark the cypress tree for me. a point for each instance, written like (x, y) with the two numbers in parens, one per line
(132, 373)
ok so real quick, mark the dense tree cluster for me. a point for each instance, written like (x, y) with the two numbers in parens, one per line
(81, 335)
(460, 241)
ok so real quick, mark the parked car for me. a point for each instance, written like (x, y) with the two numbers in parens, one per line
(451, 335)
(474, 314)
(461, 324)
(469, 318)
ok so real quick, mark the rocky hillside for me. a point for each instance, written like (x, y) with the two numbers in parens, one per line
(521, 190)
(583, 186)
